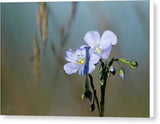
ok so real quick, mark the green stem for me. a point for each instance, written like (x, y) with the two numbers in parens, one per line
(96, 99)
(86, 84)
(95, 95)
(102, 98)
(104, 85)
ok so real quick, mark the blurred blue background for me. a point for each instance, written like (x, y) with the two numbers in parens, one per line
(57, 93)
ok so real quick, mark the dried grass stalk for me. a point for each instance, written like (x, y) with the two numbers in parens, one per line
(53, 48)
(45, 27)
(37, 58)
(70, 22)
(41, 15)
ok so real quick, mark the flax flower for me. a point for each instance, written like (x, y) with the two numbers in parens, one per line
(83, 59)
(102, 46)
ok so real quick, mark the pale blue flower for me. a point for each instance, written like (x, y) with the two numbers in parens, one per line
(112, 70)
(83, 59)
(122, 76)
(102, 46)
(122, 73)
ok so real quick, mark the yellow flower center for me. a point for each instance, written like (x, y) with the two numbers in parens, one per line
(82, 60)
(99, 50)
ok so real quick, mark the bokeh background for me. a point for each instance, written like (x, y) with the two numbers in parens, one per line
(54, 92)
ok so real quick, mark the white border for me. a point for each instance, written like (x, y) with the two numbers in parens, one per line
(151, 60)
(151, 55)
(60, 0)
(0, 58)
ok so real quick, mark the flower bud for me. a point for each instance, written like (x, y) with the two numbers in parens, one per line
(121, 72)
(92, 107)
(83, 96)
(109, 74)
(102, 81)
(124, 61)
(87, 94)
(100, 75)
(112, 70)
(101, 67)
(134, 63)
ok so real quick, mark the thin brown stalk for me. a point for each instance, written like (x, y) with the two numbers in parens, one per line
(37, 58)
(41, 15)
(74, 8)
(45, 27)
(45, 33)
(53, 48)
(70, 22)
(62, 31)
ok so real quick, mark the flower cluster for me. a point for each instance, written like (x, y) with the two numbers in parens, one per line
(87, 56)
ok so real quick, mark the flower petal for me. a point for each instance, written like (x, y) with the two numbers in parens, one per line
(84, 46)
(84, 49)
(107, 38)
(71, 68)
(91, 38)
(70, 55)
(105, 53)
(83, 70)
(91, 68)
(86, 68)
(94, 56)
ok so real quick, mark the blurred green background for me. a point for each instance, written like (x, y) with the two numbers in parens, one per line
(57, 93)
